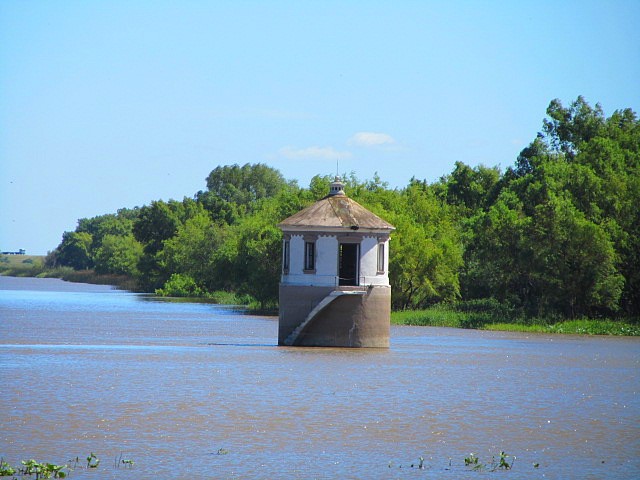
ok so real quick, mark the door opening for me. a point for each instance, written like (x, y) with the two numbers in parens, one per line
(348, 271)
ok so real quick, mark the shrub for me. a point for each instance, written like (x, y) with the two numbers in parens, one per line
(180, 285)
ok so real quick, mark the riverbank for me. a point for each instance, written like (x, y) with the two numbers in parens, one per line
(479, 315)
(486, 316)
(33, 266)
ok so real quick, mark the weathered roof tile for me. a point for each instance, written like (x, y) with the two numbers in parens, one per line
(336, 211)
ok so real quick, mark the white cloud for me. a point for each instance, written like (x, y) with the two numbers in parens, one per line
(371, 139)
(327, 153)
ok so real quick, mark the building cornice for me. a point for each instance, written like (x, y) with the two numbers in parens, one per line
(292, 230)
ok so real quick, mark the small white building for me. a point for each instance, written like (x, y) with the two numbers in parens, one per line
(335, 281)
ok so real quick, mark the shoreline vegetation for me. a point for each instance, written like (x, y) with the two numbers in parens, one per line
(550, 243)
(33, 266)
(475, 315)
(484, 316)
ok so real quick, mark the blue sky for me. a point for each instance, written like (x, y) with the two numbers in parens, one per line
(111, 104)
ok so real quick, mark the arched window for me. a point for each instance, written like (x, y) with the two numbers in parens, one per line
(381, 258)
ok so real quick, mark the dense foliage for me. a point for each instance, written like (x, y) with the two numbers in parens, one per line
(557, 235)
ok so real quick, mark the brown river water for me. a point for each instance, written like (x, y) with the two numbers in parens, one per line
(195, 390)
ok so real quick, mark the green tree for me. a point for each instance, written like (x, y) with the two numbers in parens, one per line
(118, 255)
(156, 224)
(319, 186)
(243, 185)
(498, 256)
(258, 261)
(74, 250)
(473, 188)
(426, 252)
(192, 251)
(574, 258)
(553, 242)
(567, 128)
(233, 190)
(119, 224)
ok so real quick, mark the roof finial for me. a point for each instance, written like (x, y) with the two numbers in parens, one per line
(336, 187)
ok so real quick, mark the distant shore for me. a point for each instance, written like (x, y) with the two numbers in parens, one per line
(33, 266)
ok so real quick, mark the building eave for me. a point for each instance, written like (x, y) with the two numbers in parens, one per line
(301, 229)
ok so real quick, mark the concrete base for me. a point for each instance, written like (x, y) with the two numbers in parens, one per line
(348, 321)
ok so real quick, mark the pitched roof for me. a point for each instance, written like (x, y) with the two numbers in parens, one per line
(336, 211)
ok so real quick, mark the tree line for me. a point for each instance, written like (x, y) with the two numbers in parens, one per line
(555, 235)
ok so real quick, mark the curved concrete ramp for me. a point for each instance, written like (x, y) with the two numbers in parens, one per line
(293, 337)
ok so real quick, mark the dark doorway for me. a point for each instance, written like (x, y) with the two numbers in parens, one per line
(349, 264)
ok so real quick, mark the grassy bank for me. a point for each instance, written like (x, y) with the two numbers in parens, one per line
(20, 263)
(33, 266)
(221, 297)
(183, 286)
(488, 315)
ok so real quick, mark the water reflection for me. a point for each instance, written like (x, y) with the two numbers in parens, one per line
(89, 369)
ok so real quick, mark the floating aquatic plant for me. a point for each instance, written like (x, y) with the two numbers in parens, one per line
(93, 461)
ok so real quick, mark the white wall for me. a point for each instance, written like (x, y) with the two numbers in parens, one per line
(369, 262)
(327, 262)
